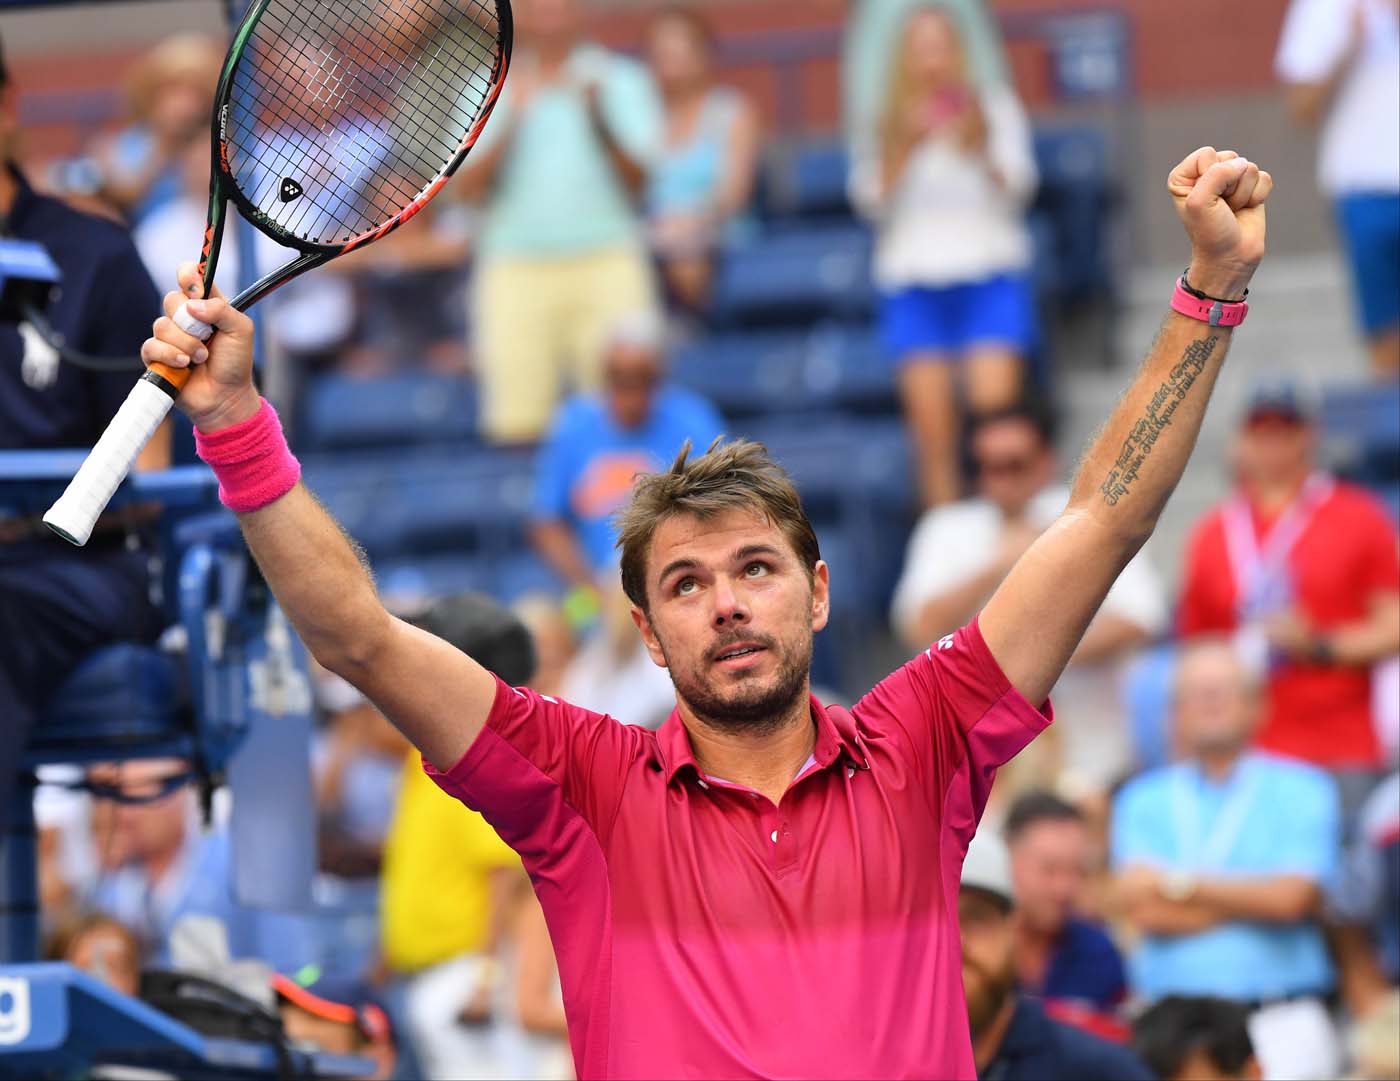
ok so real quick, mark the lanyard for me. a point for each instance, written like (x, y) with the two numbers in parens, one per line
(1262, 580)
(1194, 851)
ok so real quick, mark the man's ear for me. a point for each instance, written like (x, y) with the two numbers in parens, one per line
(649, 638)
(821, 595)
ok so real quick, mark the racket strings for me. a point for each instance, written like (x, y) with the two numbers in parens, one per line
(343, 111)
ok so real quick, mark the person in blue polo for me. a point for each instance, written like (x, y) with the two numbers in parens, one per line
(600, 442)
(58, 603)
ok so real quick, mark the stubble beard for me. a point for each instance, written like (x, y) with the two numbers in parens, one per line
(752, 706)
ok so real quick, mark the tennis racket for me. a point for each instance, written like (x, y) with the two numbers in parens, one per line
(335, 121)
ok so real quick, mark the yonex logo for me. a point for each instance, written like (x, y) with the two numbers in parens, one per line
(290, 189)
(946, 642)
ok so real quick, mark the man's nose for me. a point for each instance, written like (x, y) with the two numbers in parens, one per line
(729, 606)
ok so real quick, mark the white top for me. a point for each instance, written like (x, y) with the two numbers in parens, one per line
(1359, 146)
(948, 221)
(954, 543)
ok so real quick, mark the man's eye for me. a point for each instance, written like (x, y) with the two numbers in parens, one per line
(685, 585)
(753, 570)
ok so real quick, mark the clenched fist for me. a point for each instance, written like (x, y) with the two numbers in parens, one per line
(1220, 197)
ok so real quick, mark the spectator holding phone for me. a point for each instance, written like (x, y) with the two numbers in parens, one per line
(946, 175)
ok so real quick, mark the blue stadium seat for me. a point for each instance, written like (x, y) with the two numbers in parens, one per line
(793, 277)
(341, 412)
(1360, 430)
(830, 368)
(819, 174)
(136, 695)
(855, 480)
(1071, 212)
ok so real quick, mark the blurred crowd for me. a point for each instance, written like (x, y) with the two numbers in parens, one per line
(1199, 862)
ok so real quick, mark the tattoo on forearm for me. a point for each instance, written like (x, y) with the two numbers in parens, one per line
(1158, 417)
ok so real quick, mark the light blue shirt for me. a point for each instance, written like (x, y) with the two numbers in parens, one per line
(557, 194)
(589, 464)
(1272, 816)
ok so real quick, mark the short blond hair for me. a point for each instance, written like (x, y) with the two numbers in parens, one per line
(737, 475)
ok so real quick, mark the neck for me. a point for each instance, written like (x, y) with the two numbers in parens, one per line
(766, 761)
(1272, 494)
(1217, 764)
(987, 1043)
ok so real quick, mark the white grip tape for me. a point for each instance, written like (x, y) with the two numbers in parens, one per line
(108, 463)
(190, 325)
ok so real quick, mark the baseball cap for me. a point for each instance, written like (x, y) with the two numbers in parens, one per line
(1279, 398)
(987, 866)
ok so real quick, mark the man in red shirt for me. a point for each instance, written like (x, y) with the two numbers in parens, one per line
(1305, 571)
(767, 886)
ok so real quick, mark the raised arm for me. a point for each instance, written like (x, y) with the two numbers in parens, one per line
(1035, 620)
(437, 696)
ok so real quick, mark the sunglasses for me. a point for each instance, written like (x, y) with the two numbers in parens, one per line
(1004, 467)
(1274, 421)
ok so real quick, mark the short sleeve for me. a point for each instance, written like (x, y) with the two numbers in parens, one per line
(540, 768)
(1315, 35)
(480, 843)
(963, 720)
(1009, 143)
(1138, 832)
(632, 108)
(1379, 565)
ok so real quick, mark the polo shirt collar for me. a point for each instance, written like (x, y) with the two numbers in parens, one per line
(836, 739)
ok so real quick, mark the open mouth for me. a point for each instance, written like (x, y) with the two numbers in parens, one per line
(737, 652)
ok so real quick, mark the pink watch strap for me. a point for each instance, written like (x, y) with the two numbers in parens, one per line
(1218, 313)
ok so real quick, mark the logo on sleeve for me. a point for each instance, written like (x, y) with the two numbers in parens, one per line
(946, 642)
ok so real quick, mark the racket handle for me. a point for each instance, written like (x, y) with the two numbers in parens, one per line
(108, 463)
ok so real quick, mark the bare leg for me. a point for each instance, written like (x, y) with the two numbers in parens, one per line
(994, 377)
(930, 409)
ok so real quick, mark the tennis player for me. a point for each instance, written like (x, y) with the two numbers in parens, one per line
(767, 886)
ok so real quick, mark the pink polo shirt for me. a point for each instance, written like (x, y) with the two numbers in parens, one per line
(702, 931)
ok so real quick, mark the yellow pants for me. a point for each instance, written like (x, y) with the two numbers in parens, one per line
(541, 326)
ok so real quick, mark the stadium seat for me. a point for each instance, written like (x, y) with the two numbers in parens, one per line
(1360, 431)
(770, 372)
(793, 277)
(125, 700)
(341, 412)
(1071, 211)
(818, 173)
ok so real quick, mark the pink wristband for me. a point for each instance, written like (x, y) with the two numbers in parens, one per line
(254, 465)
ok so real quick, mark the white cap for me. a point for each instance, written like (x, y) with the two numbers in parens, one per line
(988, 865)
(642, 329)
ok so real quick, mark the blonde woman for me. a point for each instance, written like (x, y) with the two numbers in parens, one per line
(946, 177)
